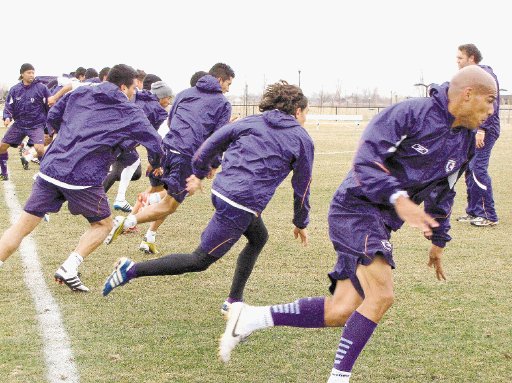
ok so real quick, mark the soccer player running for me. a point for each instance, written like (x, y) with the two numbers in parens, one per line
(129, 161)
(260, 152)
(480, 209)
(90, 133)
(195, 114)
(27, 105)
(410, 153)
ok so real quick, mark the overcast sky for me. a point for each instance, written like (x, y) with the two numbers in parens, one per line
(386, 45)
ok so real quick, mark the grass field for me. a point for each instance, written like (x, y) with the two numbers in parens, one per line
(166, 329)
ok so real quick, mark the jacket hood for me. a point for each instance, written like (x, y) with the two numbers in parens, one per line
(144, 95)
(107, 93)
(279, 120)
(439, 94)
(209, 83)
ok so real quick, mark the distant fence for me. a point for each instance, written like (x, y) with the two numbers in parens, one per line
(367, 112)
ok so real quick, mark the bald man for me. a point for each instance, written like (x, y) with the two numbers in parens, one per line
(410, 153)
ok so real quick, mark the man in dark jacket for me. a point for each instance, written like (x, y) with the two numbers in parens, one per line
(412, 152)
(77, 161)
(129, 162)
(261, 151)
(196, 113)
(27, 105)
(480, 210)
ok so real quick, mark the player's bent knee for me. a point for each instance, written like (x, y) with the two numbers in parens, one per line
(382, 299)
(336, 315)
(39, 149)
(170, 204)
(105, 224)
(203, 260)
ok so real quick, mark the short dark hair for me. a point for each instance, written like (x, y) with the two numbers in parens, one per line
(223, 71)
(283, 96)
(103, 73)
(196, 76)
(471, 50)
(80, 71)
(140, 74)
(90, 73)
(122, 74)
(148, 80)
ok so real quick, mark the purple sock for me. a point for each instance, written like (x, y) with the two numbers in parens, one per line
(3, 163)
(358, 330)
(132, 272)
(233, 300)
(305, 312)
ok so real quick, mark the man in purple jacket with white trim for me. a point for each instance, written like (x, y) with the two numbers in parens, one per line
(260, 152)
(27, 105)
(480, 210)
(93, 124)
(196, 113)
(412, 152)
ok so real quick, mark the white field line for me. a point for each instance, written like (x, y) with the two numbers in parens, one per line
(57, 346)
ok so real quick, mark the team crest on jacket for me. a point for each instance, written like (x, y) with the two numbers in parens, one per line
(32, 99)
(450, 165)
(387, 245)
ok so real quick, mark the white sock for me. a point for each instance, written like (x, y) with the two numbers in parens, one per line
(124, 180)
(255, 318)
(154, 198)
(130, 221)
(338, 376)
(1, 263)
(150, 236)
(74, 260)
(29, 157)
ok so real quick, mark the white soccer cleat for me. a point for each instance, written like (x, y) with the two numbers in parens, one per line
(117, 229)
(70, 279)
(466, 218)
(481, 222)
(339, 376)
(235, 331)
(148, 247)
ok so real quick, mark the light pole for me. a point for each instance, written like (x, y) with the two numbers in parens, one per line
(426, 87)
(299, 78)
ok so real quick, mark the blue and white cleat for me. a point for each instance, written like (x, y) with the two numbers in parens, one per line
(123, 206)
(118, 276)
